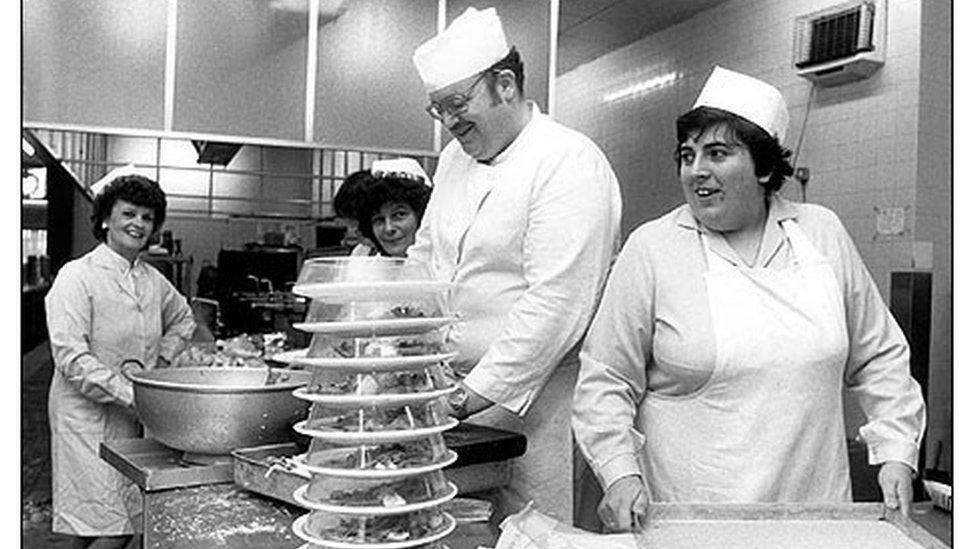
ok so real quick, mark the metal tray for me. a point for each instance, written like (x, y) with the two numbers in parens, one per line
(797, 525)
(733, 526)
(484, 462)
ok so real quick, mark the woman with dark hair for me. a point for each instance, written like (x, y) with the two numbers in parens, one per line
(347, 203)
(720, 378)
(108, 314)
(393, 203)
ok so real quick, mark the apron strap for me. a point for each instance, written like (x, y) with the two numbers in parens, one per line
(803, 250)
(712, 261)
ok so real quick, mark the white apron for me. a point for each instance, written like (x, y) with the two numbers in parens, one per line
(544, 474)
(768, 425)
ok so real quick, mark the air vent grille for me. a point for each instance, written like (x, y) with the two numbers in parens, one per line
(836, 35)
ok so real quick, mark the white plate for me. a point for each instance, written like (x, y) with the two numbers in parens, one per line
(370, 363)
(360, 437)
(299, 495)
(371, 290)
(374, 474)
(299, 528)
(378, 327)
(354, 400)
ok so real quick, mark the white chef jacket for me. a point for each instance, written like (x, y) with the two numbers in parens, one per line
(659, 338)
(528, 238)
(100, 312)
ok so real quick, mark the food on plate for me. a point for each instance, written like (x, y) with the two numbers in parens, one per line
(245, 350)
(324, 346)
(406, 311)
(326, 311)
(390, 493)
(376, 529)
(332, 382)
(388, 456)
(377, 418)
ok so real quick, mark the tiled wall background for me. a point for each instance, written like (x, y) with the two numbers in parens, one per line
(875, 144)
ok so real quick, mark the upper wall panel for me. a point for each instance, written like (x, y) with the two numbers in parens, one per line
(367, 91)
(240, 69)
(94, 62)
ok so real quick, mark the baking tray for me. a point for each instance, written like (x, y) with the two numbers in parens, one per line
(795, 525)
(732, 526)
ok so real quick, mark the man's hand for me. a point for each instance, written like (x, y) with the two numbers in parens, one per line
(624, 505)
(466, 402)
(895, 479)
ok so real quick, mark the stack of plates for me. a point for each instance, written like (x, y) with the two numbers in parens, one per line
(378, 384)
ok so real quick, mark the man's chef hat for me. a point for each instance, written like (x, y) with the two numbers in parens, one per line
(400, 167)
(748, 97)
(470, 44)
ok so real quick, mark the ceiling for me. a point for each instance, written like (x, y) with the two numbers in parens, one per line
(589, 29)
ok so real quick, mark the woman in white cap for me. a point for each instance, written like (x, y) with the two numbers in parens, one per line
(108, 313)
(720, 378)
(393, 203)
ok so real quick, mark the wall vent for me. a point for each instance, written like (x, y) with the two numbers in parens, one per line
(842, 43)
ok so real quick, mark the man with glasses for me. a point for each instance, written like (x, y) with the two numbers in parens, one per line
(525, 218)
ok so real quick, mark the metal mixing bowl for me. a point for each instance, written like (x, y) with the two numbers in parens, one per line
(215, 410)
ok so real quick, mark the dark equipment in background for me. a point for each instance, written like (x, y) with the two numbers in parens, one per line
(250, 279)
(251, 269)
(216, 153)
(328, 236)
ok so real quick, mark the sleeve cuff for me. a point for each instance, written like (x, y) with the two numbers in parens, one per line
(126, 395)
(616, 468)
(893, 450)
(513, 399)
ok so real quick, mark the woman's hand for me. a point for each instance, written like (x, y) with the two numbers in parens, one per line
(895, 479)
(129, 367)
(624, 505)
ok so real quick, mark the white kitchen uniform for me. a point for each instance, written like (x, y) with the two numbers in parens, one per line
(768, 424)
(528, 238)
(101, 312)
(735, 373)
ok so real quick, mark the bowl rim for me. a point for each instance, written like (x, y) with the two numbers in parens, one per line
(139, 381)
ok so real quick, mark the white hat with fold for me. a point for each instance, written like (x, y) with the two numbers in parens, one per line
(128, 169)
(400, 167)
(748, 97)
(470, 44)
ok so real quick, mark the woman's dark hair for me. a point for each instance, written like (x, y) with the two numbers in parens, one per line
(769, 157)
(134, 189)
(349, 198)
(512, 62)
(386, 189)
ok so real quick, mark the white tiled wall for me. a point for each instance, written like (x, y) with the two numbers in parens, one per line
(878, 143)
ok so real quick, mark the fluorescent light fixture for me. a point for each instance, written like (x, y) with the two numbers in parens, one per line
(641, 87)
(26, 147)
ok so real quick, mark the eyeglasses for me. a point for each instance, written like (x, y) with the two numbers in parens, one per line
(454, 104)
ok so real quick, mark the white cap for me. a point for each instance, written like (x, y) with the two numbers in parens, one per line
(470, 44)
(128, 169)
(400, 167)
(748, 97)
